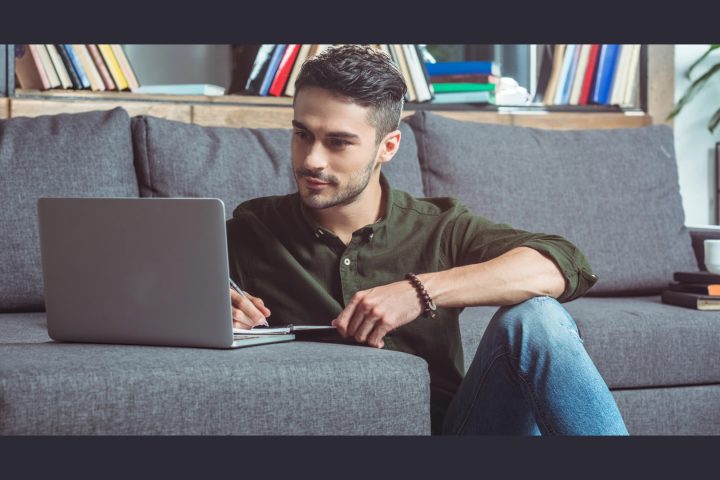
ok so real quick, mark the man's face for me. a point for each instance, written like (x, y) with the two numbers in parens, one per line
(334, 149)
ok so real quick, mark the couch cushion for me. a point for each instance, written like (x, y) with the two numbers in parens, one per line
(634, 341)
(613, 193)
(176, 159)
(294, 388)
(66, 155)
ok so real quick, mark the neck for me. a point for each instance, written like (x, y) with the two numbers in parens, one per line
(365, 209)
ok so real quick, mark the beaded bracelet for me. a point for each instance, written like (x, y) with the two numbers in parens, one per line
(429, 305)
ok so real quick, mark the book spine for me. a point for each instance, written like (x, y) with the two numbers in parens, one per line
(272, 69)
(607, 74)
(260, 65)
(96, 83)
(421, 87)
(554, 81)
(125, 66)
(426, 75)
(113, 66)
(101, 67)
(704, 278)
(463, 87)
(466, 67)
(59, 66)
(74, 79)
(679, 299)
(48, 66)
(589, 74)
(301, 57)
(77, 66)
(564, 75)
(28, 68)
(286, 64)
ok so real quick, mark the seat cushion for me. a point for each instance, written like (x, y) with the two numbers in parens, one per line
(176, 159)
(294, 388)
(67, 155)
(634, 341)
(613, 193)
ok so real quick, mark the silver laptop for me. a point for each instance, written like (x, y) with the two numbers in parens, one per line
(144, 271)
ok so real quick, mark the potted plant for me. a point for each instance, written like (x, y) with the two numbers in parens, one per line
(697, 85)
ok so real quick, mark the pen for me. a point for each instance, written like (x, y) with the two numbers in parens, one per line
(234, 286)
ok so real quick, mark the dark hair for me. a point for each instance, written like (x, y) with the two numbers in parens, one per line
(365, 75)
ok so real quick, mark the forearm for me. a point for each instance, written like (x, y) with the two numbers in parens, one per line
(509, 279)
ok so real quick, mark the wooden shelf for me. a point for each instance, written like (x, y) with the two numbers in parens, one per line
(276, 112)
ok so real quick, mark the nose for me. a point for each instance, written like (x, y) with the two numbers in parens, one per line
(315, 158)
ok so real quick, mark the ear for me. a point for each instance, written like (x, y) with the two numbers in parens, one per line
(389, 146)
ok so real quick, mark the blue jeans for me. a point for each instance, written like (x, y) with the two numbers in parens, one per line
(531, 375)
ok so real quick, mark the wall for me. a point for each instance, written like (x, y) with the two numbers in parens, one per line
(694, 144)
(163, 64)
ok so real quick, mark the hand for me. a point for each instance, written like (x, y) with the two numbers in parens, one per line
(372, 314)
(248, 311)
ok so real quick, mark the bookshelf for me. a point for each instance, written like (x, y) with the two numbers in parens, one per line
(656, 99)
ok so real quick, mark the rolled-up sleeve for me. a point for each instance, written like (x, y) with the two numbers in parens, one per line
(474, 239)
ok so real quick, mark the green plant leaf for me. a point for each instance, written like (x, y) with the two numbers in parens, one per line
(699, 60)
(712, 125)
(693, 89)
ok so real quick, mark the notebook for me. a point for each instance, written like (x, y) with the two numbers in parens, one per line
(142, 271)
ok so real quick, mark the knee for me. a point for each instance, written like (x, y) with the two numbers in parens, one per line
(538, 321)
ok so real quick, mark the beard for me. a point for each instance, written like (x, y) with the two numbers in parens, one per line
(341, 195)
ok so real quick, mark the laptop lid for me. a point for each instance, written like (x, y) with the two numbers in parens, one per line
(148, 271)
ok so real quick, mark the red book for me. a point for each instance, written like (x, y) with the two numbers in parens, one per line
(102, 68)
(286, 63)
(589, 74)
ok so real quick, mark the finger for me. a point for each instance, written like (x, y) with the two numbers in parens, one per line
(251, 311)
(356, 320)
(365, 328)
(342, 320)
(375, 338)
(240, 320)
(259, 304)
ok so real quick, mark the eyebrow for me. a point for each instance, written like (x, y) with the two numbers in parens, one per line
(345, 135)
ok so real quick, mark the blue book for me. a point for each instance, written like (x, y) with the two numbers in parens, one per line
(562, 95)
(460, 68)
(606, 70)
(76, 65)
(272, 68)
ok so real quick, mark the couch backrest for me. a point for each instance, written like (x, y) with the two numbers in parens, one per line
(175, 159)
(66, 155)
(613, 193)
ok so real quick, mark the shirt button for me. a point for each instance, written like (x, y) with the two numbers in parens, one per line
(346, 261)
(318, 233)
(371, 236)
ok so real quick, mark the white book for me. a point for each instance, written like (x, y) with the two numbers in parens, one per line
(59, 66)
(91, 71)
(52, 75)
(181, 89)
(301, 57)
(422, 90)
(620, 79)
(289, 329)
(579, 74)
(565, 74)
(632, 83)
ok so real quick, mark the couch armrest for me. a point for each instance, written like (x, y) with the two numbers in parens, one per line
(699, 233)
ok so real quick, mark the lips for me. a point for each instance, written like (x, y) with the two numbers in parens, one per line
(313, 183)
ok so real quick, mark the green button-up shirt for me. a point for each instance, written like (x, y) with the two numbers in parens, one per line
(306, 275)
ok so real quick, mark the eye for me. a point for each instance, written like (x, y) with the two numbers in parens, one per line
(301, 134)
(339, 142)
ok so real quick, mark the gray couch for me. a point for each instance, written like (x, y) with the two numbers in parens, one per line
(614, 193)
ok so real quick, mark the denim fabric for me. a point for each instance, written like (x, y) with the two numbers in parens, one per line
(531, 375)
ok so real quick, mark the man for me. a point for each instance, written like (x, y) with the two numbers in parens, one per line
(392, 271)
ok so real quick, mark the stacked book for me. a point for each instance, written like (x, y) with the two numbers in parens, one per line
(590, 74)
(698, 290)
(275, 68)
(75, 67)
(464, 82)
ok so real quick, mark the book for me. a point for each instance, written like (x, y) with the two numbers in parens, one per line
(415, 69)
(399, 58)
(88, 66)
(69, 67)
(631, 85)
(690, 300)
(113, 66)
(125, 66)
(463, 87)
(52, 75)
(589, 74)
(277, 87)
(101, 67)
(247, 340)
(562, 95)
(423, 67)
(711, 289)
(77, 66)
(605, 72)
(272, 68)
(464, 97)
(288, 329)
(466, 78)
(181, 89)
(259, 68)
(464, 67)
(576, 89)
(299, 60)
(622, 72)
(545, 55)
(65, 81)
(554, 81)
(28, 68)
(704, 278)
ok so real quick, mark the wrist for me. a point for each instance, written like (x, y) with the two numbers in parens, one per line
(427, 305)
